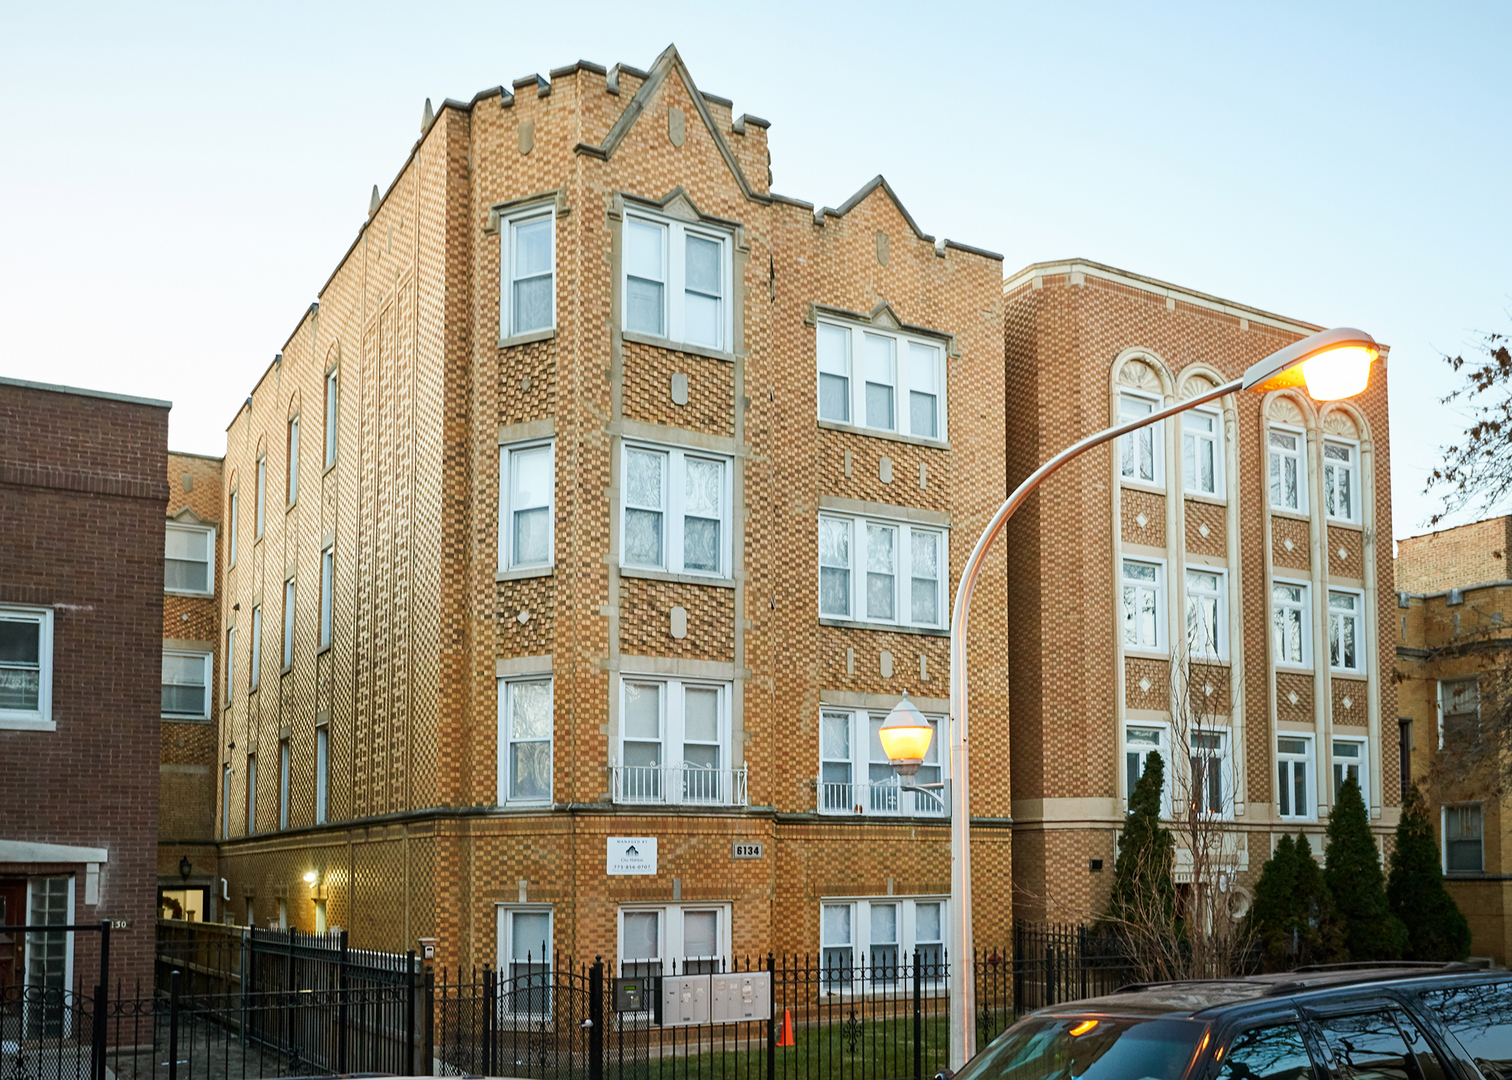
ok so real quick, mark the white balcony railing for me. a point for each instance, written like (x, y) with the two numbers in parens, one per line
(679, 785)
(884, 798)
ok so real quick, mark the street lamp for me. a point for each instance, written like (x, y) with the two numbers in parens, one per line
(1331, 364)
(905, 736)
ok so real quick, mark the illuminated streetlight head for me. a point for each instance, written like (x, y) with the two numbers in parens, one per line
(310, 878)
(905, 737)
(1331, 364)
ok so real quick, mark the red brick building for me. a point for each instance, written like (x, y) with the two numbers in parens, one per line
(82, 499)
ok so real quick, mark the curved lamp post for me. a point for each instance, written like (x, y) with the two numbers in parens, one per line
(1330, 364)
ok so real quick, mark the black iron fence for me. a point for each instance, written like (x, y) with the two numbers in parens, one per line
(1058, 962)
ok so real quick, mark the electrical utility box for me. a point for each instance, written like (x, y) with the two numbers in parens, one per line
(634, 994)
(685, 1000)
(740, 996)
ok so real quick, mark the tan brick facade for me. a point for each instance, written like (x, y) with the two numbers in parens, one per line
(1081, 336)
(426, 623)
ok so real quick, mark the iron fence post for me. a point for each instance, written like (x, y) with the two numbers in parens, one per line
(596, 1019)
(102, 1001)
(918, 1025)
(341, 1007)
(771, 1061)
(173, 1018)
(430, 1021)
(488, 1016)
(409, 1016)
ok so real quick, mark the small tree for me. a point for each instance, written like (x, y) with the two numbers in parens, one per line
(1293, 920)
(1142, 909)
(1436, 928)
(1352, 872)
(1320, 931)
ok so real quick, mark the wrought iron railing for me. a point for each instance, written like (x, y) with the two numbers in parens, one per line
(684, 785)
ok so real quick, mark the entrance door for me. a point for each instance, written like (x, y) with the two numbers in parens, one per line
(12, 913)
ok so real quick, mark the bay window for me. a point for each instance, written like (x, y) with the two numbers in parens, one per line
(855, 776)
(676, 512)
(903, 580)
(525, 740)
(880, 380)
(674, 744)
(678, 279)
(528, 272)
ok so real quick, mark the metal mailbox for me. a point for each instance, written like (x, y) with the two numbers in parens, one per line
(740, 996)
(685, 1000)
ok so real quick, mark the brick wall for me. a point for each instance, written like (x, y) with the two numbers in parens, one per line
(1455, 558)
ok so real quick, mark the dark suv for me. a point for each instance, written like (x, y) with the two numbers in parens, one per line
(1386, 1022)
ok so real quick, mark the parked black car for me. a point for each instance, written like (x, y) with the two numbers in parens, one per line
(1336, 1022)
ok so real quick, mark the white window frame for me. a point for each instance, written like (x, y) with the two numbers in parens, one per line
(230, 662)
(670, 943)
(506, 959)
(322, 773)
(291, 480)
(673, 734)
(1445, 699)
(254, 677)
(205, 659)
(289, 598)
(208, 532)
(1308, 762)
(332, 412)
(881, 797)
(225, 802)
(261, 516)
(1221, 596)
(508, 456)
(285, 767)
(674, 282)
(1276, 458)
(904, 378)
(1341, 765)
(1158, 587)
(1361, 640)
(251, 800)
(508, 227)
(1196, 437)
(327, 594)
(506, 739)
(232, 515)
(1351, 469)
(1223, 754)
(40, 718)
(674, 507)
(863, 977)
(903, 576)
(1156, 433)
(1304, 624)
(1444, 813)
(1163, 748)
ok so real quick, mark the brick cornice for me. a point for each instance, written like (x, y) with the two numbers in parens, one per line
(29, 474)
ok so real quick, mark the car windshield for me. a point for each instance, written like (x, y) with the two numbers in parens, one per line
(1088, 1048)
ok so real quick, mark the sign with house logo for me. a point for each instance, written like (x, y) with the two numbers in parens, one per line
(632, 855)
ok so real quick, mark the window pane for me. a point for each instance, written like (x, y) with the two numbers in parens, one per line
(644, 301)
(533, 248)
(177, 699)
(701, 714)
(881, 559)
(641, 940)
(1370, 1047)
(183, 669)
(927, 922)
(645, 289)
(1270, 1053)
(923, 376)
(701, 544)
(20, 642)
(1133, 571)
(835, 924)
(832, 343)
(532, 305)
(921, 414)
(643, 537)
(834, 371)
(834, 398)
(702, 272)
(187, 544)
(1283, 789)
(643, 254)
(532, 536)
(186, 576)
(834, 562)
(643, 710)
(700, 933)
(878, 365)
(704, 485)
(532, 709)
(645, 476)
(531, 935)
(879, 406)
(701, 320)
(1481, 1016)
(530, 770)
(834, 592)
(924, 605)
(834, 735)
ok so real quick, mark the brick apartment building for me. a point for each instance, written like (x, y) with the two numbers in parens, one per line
(187, 879)
(82, 498)
(1238, 542)
(1453, 645)
(546, 535)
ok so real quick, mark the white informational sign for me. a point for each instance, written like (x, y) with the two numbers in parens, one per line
(632, 855)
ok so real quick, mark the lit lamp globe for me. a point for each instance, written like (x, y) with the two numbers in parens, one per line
(905, 737)
(1332, 364)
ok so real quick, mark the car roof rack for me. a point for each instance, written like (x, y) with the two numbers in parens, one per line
(1382, 965)
(1363, 971)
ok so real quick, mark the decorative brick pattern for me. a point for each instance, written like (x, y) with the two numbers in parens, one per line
(1206, 528)
(1291, 684)
(1345, 553)
(645, 620)
(1290, 547)
(1135, 504)
(648, 389)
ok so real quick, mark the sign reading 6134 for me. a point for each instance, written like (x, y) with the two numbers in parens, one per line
(747, 849)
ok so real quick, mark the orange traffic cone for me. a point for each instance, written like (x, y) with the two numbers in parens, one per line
(787, 1028)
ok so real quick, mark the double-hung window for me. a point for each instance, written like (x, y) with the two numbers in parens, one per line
(678, 280)
(872, 570)
(1464, 836)
(676, 514)
(256, 670)
(1141, 452)
(527, 489)
(674, 744)
(330, 418)
(327, 584)
(872, 944)
(232, 516)
(1202, 452)
(528, 248)
(251, 794)
(230, 662)
(186, 685)
(1346, 631)
(1288, 469)
(1341, 481)
(525, 956)
(262, 497)
(284, 765)
(322, 772)
(1290, 620)
(26, 640)
(880, 380)
(690, 939)
(1294, 777)
(1350, 763)
(288, 625)
(1459, 712)
(225, 802)
(525, 729)
(293, 477)
(1140, 741)
(855, 776)
(1207, 613)
(1143, 593)
(189, 559)
(1212, 784)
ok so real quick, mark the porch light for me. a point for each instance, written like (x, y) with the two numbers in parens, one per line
(905, 737)
(311, 878)
(1332, 364)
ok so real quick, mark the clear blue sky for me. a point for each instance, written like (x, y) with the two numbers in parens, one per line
(178, 180)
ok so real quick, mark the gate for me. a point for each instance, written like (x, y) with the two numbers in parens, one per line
(50, 1027)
